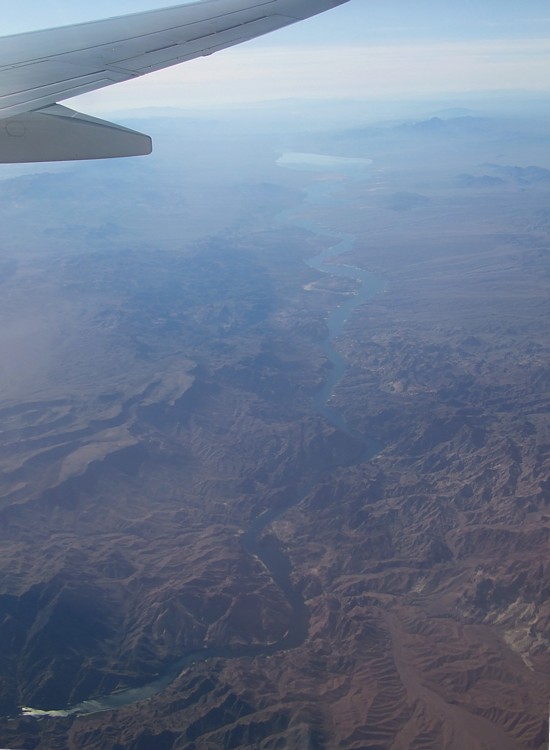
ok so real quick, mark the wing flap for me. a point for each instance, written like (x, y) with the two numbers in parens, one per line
(205, 45)
(68, 82)
(57, 133)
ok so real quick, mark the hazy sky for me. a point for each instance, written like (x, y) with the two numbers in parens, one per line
(367, 48)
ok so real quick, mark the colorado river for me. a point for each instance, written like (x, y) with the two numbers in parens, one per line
(269, 553)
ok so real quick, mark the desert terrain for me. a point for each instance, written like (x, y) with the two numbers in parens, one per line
(197, 551)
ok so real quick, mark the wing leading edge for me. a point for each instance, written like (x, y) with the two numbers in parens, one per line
(39, 69)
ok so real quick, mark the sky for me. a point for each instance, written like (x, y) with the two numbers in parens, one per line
(364, 49)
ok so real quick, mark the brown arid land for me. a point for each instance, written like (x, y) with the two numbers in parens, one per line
(170, 485)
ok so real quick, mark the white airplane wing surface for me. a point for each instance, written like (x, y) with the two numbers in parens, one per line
(41, 68)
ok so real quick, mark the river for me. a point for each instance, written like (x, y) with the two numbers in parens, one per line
(269, 553)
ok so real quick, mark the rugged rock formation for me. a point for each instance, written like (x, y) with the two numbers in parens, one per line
(184, 409)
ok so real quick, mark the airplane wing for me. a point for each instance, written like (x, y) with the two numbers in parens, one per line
(41, 68)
